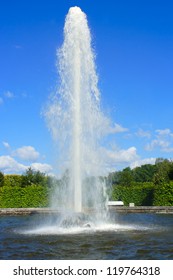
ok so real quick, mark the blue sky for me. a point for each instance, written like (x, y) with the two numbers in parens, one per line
(133, 41)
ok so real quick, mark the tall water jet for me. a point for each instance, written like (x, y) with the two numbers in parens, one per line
(75, 119)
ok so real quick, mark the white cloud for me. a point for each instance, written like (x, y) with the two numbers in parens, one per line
(123, 155)
(164, 132)
(42, 167)
(159, 143)
(26, 153)
(6, 145)
(142, 133)
(9, 94)
(114, 159)
(163, 140)
(140, 162)
(117, 129)
(10, 165)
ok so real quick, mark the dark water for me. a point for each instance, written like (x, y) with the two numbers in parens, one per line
(137, 236)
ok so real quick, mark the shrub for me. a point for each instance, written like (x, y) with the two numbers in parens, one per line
(18, 197)
(1, 179)
(163, 194)
(32, 177)
(141, 194)
(12, 180)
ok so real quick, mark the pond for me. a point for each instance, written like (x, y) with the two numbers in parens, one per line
(133, 236)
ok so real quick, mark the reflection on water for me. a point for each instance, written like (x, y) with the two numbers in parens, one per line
(129, 236)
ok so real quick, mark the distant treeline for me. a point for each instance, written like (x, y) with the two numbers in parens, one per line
(31, 189)
(146, 185)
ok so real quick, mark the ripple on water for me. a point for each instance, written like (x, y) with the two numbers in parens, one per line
(126, 239)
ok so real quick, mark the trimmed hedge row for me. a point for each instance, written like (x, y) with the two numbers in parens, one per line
(18, 197)
(145, 194)
(140, 194)
(163, 195)
(12, 181)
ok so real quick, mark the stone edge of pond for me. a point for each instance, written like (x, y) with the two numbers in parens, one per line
(118, 209)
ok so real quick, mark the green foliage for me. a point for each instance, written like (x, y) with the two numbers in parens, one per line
(31, 189)
(1, 179)
(113, 178)
(161, 176)
(144, 185)
(144, 173)
(32, 177)
(170, 174)
(18, 197)
(141, 194)
(126, 177)
(163, 168)
(12, 180)
(163, 194)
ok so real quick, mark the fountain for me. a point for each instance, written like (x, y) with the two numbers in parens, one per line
(76, 121)
(82, 229)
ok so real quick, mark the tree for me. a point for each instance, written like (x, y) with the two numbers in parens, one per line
(1, 179)
(32, 177)
(144, 173)
(126, 177)
(161, 175)
(113, 178)
(160, 160)
(170, 174)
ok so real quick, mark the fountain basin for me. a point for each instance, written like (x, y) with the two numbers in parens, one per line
(117, 209)
(131, 236)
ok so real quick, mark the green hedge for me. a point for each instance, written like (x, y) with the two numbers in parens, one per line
(145, 194)
(140, 194)
(163, 195)
(12, 195)
(18, 197)
(12, 180)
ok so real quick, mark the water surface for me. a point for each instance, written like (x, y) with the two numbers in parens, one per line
(130, 236)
